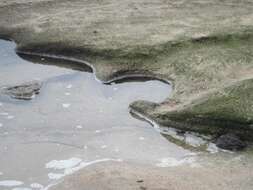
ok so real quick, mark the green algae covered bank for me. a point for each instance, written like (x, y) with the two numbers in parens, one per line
(204, 48)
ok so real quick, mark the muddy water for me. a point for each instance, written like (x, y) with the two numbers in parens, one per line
(75, 121)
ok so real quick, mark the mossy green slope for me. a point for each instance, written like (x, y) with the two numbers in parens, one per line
(227, 110)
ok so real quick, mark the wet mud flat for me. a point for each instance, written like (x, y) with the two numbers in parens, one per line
(77, 124)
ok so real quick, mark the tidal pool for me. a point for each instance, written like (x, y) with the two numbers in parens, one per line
(75, 121)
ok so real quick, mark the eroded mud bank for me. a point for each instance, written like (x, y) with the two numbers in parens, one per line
(214, 101)
(204, 48)
(79, 123)
(74, 122)
(207, 58)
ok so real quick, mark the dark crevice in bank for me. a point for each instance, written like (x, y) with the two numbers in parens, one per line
(37, 59)
(79, 65)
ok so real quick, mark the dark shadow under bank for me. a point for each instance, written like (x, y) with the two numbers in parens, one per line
(79, 65)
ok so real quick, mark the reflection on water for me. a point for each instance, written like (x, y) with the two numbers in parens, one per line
(75, 121)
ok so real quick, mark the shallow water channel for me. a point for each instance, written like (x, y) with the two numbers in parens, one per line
(74, 121)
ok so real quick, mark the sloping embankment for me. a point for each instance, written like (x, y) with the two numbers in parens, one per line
(208, 58)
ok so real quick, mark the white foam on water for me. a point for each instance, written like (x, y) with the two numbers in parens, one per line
(55, 176)
(50, 185)
(71, 170)
(69, 86)
(63, 164)
(85, 147)
(116, 150)
(67, 93)
(21, 188)
(97, 131)
(1, 104)
(194, 140)
(172, 132)
(237, 158)
(1, 173)
(153, 123)
(79, 126)
(10, 183)
(36, 186)
(1, 125)
(10, 117)
(189, 138)
(141, 138)
(212, 148)
(192, 154)
(104, 146)
(66, 105)
(85, 164)
(173, 162)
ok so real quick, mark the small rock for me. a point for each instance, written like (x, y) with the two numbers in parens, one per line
(24, 91)
(36, 186)
(230, 142)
